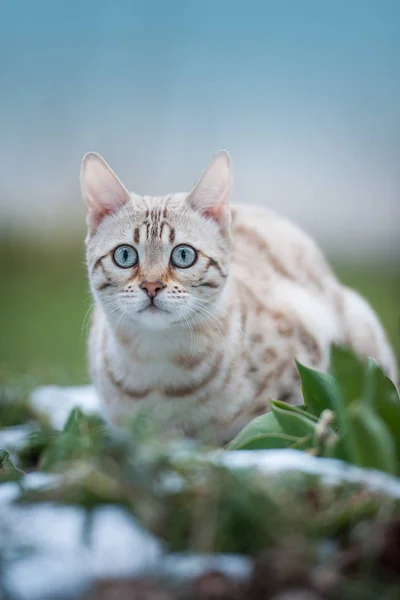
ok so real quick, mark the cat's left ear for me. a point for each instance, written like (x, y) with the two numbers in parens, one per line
(210, 196)
(103, 192)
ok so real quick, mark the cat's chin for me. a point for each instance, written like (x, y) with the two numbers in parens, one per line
(154, 319)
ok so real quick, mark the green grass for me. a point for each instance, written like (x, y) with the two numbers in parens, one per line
(45, 299)
(380, 285)
(43, 307)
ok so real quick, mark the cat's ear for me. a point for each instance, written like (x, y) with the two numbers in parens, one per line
(210, 196)
(103, 192)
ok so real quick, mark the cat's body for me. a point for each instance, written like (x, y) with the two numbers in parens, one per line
(221, 335)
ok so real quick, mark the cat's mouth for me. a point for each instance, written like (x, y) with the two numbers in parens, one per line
(152, 308)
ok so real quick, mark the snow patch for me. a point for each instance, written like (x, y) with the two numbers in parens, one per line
(330, 471)
(57, 402)
(53, 550)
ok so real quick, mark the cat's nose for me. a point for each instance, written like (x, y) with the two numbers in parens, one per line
(152, 287)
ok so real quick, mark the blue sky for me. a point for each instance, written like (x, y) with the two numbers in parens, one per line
(304, 94)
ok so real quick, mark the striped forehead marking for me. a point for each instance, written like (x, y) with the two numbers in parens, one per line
(155, 220)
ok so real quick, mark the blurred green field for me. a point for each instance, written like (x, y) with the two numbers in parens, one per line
(43, 304)
(45, 308)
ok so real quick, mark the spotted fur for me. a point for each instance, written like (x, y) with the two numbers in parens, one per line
(221, 336)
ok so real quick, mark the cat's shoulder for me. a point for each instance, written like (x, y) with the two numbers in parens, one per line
(252, 219)
(255, 228)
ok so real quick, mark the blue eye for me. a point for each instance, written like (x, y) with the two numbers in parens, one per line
(183, 256)
(125, 256)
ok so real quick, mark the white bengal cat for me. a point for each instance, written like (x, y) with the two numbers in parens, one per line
(203, 305)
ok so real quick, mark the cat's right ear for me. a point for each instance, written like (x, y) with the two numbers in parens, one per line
(210, 195)
(101, 189)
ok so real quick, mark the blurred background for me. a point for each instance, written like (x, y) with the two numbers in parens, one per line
(304, 94)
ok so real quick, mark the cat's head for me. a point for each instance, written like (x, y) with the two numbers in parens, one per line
(157, 261)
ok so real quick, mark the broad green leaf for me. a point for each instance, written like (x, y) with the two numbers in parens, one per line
(303, 443)
(392, 390)
(381, 394)
(259, 426)
(319, 390)
(265, 432)
(299, 409)
(291, 422)
(349, 371)
(371, 383)
(268, 441)
(373, 445)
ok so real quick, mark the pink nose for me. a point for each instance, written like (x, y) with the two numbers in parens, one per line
(152, 287)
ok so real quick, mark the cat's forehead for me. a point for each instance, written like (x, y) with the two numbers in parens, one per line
(156, 213)
(153, 210)
(156, 221)
(172, 210)
(169, 202)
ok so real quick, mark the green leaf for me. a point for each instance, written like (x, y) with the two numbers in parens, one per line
(299, 409)
(75, 418)
(349, 371)
(80, 439)
(291, 422)
(268, 441)
(371, 382)
(267, 432)
(382, 395)
(373, 445)
(259, 426)
(303, 443)
(319, 390)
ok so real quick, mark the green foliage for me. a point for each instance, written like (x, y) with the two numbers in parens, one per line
(264, 430)
(80, 438)
(184, 497)
(8, 471)
(319, 389)
(353, 414)
(193, 503)
(372, 445)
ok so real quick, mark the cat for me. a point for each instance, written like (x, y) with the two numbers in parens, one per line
(207, 306)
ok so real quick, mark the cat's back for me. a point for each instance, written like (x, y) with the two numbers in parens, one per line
(268, 247)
